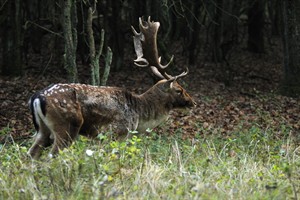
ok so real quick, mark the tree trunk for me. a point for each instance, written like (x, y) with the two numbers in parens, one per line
(275, 16)
(12, 40)
(229, 37)
(291, 41)
(194, 33)
(117, 35)
(70, 37)
(256, 26)
(217, 32)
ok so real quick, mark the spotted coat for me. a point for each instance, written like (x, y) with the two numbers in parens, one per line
(62, 111)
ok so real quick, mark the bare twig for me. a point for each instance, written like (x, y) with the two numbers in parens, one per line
(44, 28)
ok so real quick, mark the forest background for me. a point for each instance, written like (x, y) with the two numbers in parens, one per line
(234, 48)
(241, 141)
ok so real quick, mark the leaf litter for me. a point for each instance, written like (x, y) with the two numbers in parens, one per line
(251, 98)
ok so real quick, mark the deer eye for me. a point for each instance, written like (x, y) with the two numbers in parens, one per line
(178, 91)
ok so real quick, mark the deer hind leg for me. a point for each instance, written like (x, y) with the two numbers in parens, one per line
(42, 140)
(64, 134)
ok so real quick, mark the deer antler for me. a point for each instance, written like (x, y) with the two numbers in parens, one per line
(145, 45)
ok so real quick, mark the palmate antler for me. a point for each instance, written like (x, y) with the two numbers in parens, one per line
(145, 45)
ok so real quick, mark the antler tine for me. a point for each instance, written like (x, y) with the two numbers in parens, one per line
(149, 19)
(166, 65)
(137, 38)
(134, 31)
(159, 74)
(178, 76)
(143, 24)
(145, 45)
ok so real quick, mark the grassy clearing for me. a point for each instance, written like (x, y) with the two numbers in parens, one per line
(249, 164)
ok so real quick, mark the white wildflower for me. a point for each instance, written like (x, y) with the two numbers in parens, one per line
(89, 152)
(148, 130)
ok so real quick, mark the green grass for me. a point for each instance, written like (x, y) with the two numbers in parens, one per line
(250, 164)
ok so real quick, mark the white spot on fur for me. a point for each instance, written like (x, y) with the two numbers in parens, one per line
(53, 87)
(126, 108)
(56, 100)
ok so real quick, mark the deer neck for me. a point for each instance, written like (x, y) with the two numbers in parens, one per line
(156, 100)
(153, 108)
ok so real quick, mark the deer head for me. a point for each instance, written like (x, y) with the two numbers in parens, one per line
(145, 45)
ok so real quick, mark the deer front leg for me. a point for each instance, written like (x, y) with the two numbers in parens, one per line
(90, 132)
(123, 127)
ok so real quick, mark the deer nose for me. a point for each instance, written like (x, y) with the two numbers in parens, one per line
(194, 103)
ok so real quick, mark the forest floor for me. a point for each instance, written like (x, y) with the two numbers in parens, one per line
(251, 98)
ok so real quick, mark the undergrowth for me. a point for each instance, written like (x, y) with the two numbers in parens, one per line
(248, 164)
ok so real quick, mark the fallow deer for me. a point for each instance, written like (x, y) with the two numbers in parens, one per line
(63, 111)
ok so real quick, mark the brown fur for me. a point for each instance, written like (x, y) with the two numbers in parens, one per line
(62, 111)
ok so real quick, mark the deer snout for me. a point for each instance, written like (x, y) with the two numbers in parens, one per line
(194, 103)
(191, 103)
